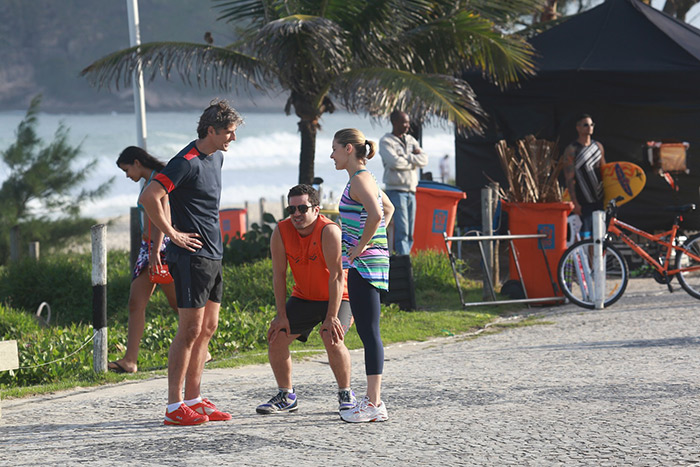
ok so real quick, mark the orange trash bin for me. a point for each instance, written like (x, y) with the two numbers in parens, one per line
(436, 211)
(232, 222)
(539, 277)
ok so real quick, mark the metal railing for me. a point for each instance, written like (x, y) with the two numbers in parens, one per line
(481, 239)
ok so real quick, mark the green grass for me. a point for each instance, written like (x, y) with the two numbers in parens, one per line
(240, 339)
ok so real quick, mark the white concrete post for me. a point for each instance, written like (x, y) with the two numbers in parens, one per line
(99, 297)
(598, 260)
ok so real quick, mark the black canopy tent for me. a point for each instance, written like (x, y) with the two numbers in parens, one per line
(633, 68)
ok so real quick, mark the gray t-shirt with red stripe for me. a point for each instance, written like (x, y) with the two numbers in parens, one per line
(193, 181)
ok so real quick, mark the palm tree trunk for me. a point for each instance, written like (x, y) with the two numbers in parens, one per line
(308, 130)
(309, 115)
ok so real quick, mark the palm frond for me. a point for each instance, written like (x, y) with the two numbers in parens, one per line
(304, 52)
(373, 27)
(379, 91)
(256, 13)
(466, 40)
(505, 11)
(200, 63)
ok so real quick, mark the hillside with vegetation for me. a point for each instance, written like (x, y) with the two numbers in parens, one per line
(44, 44)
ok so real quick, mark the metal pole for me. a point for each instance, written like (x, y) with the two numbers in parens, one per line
(516, 258)
(132, 7)
(495, 198)
(598, 260)
(487, 230)
(99, 297)
(496, 237)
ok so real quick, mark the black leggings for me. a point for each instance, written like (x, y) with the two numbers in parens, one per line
(364, 301)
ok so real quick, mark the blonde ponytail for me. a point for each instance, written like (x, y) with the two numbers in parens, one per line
(364, 148)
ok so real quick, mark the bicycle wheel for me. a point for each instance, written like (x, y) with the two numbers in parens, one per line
(575, 274)
(689, 280)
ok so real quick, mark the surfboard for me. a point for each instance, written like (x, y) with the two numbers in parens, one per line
(623, 179)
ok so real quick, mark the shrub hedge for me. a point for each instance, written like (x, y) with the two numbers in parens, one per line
(64, 282)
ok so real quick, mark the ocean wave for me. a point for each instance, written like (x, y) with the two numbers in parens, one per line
(262, 163)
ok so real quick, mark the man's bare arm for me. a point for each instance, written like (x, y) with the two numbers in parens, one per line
(279, 284)
(152, 201)
(570, 177)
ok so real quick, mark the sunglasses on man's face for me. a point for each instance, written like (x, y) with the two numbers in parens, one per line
(588, 124)
(302, 208)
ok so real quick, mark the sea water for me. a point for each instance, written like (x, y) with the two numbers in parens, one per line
(262, 163)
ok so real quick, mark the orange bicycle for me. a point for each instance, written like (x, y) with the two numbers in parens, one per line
(575, 270)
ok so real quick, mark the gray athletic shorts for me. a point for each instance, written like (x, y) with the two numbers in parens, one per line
(304, 315)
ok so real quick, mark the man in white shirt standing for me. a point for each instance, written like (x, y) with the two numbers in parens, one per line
(402, 156)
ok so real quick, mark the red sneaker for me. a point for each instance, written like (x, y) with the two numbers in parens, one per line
(184, 416)
(207, 407)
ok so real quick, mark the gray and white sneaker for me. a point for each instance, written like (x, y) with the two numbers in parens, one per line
(366, 412)
(346, 400)
(282, 402)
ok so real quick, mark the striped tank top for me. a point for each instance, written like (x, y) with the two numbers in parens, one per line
(373, 263)
(589, 185)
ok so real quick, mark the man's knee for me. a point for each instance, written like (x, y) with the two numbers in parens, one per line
(190, 332)
(334, 349)
(208, 329)
(281, 342)
(328, 341)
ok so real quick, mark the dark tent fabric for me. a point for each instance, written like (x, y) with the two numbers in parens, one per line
(634, 69)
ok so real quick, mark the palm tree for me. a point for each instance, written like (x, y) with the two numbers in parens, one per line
(369, 56)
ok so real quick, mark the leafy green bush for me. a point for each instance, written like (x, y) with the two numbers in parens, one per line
(432, 271)
(245, 314)
(246, 311)
(241, 329)
(254, 245)
(64, 282)
(38, 345)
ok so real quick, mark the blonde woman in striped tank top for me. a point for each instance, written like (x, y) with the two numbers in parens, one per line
(365, 210)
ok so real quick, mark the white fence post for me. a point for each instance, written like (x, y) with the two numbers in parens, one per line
(598, 260)
(99, 297)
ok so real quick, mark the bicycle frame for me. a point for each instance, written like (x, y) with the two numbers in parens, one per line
(616, 227)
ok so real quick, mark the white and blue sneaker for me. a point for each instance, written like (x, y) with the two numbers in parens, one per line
(282, 402)
(346, 400)
(365, 412)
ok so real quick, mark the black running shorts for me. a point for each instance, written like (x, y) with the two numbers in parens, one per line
(304, 315)
(197, 280)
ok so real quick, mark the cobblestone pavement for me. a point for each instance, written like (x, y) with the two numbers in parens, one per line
(616, 387)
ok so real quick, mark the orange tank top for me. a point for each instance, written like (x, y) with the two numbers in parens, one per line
(305, 257)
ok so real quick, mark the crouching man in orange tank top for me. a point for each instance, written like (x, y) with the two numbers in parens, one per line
(310, 243)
